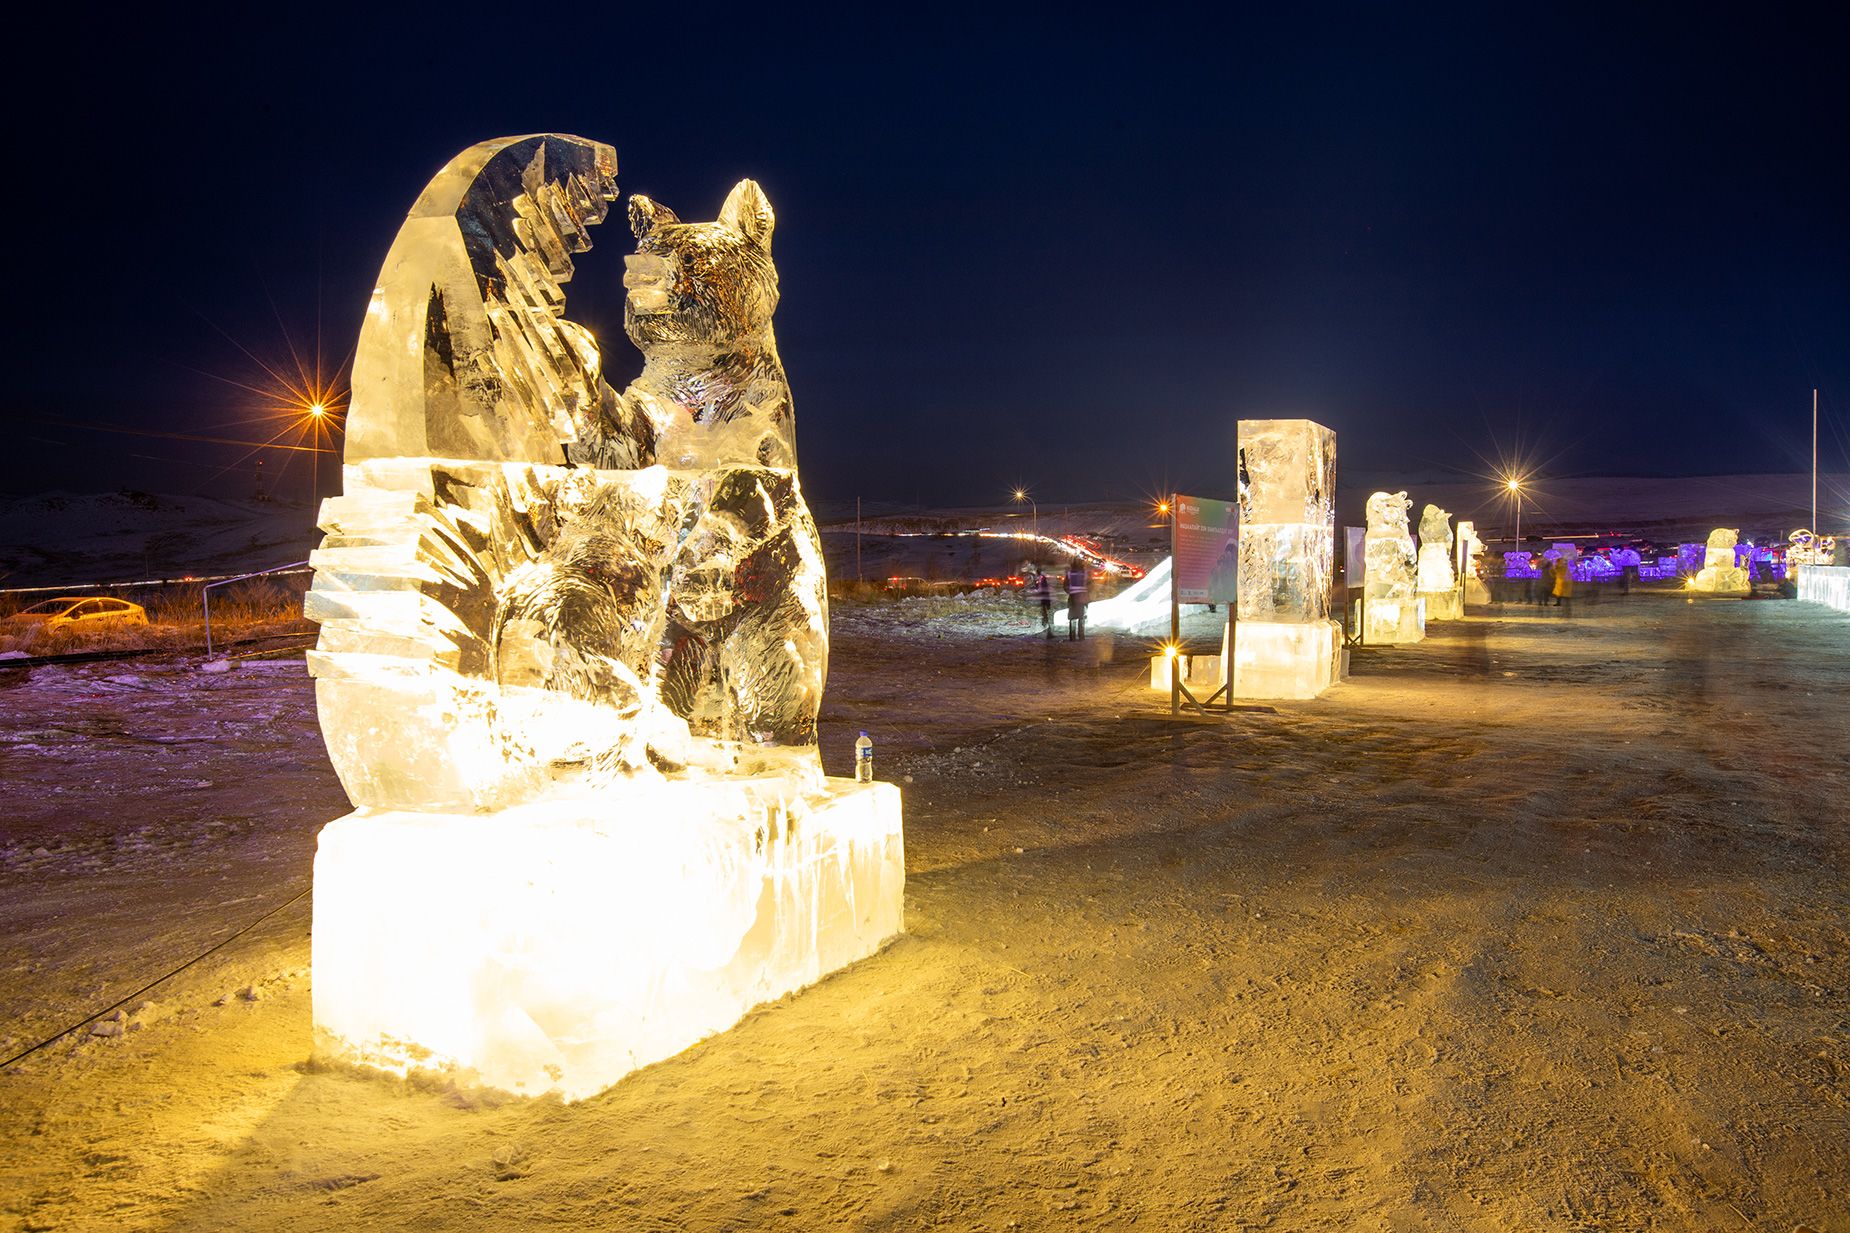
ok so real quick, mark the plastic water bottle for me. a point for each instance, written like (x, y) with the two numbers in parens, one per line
(863, 760)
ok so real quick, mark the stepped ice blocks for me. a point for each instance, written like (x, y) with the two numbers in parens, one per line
(1392, 611)
(572, 651)
(1438, 581)
(1284, 643)
(1719, 574)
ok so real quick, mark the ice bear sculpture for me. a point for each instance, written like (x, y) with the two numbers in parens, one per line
(1438, 581)
(1392, 609)
(572, 651)
(1719, 575)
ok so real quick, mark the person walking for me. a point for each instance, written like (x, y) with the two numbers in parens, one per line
(1076, 583)
(1040, 587)
(1564, 587)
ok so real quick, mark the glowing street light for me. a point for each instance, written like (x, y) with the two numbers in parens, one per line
(1021, 494)
(315, 415)
(1514, 484)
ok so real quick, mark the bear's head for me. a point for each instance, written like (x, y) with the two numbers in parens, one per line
(1387, 513)
(704, 284)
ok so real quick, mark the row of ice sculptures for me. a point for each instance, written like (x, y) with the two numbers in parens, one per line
(573, 644)
(572, 651)
(1403, 589)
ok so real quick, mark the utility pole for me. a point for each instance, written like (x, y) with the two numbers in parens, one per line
(1814, 464)
(1175, 608)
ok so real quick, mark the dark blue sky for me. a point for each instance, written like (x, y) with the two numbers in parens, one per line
(1013, 250)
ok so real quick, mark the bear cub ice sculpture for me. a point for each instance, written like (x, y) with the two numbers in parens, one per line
(716, 596)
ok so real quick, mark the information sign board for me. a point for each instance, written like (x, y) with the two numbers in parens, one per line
(1207, 550)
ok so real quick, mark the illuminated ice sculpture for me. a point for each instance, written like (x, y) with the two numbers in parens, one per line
(1392, 611)
(1719, 574)
(1471, 581)
(572, 651)
(1805, 548)
(1284, 643)
(1438, 579)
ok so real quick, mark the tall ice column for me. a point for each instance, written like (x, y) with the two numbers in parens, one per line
(1284, 643)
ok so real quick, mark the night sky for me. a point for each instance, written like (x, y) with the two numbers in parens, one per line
(1034, 251)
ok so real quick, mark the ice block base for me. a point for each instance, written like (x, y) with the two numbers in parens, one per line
(1275, 659)
(557, 946)
(1443, 605)
(1388, 622)
(1199, 672)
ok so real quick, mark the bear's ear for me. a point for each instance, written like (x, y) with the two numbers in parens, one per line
(748, 213)
(646, 215)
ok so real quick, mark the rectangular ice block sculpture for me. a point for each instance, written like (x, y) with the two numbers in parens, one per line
(555, 947)
(1285, 644)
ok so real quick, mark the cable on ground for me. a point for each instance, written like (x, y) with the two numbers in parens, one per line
(217, 946)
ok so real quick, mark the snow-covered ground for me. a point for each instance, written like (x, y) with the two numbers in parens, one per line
(1539, 924)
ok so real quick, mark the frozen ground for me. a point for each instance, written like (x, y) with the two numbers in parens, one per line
(1537, 925)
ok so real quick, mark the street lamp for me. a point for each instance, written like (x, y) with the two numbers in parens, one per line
(1021, 494)
(1515, 487)
(317, 413)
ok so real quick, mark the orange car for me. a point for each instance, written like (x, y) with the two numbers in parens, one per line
(79, 612)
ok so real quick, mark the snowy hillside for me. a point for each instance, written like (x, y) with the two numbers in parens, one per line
(67, 538)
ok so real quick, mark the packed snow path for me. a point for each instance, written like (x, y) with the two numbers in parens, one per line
(1538, 924)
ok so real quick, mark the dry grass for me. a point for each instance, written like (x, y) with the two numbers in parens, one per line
(256, 608)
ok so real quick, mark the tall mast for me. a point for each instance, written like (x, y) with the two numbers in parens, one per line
(1814, 460)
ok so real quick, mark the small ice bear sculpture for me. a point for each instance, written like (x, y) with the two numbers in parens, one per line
(1438, 581)
(1719, 575)
(1393, 612)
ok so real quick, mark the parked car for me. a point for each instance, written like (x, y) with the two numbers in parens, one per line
(70, 613)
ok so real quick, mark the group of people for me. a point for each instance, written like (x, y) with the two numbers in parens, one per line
(1554, 580)
(1077, 582)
